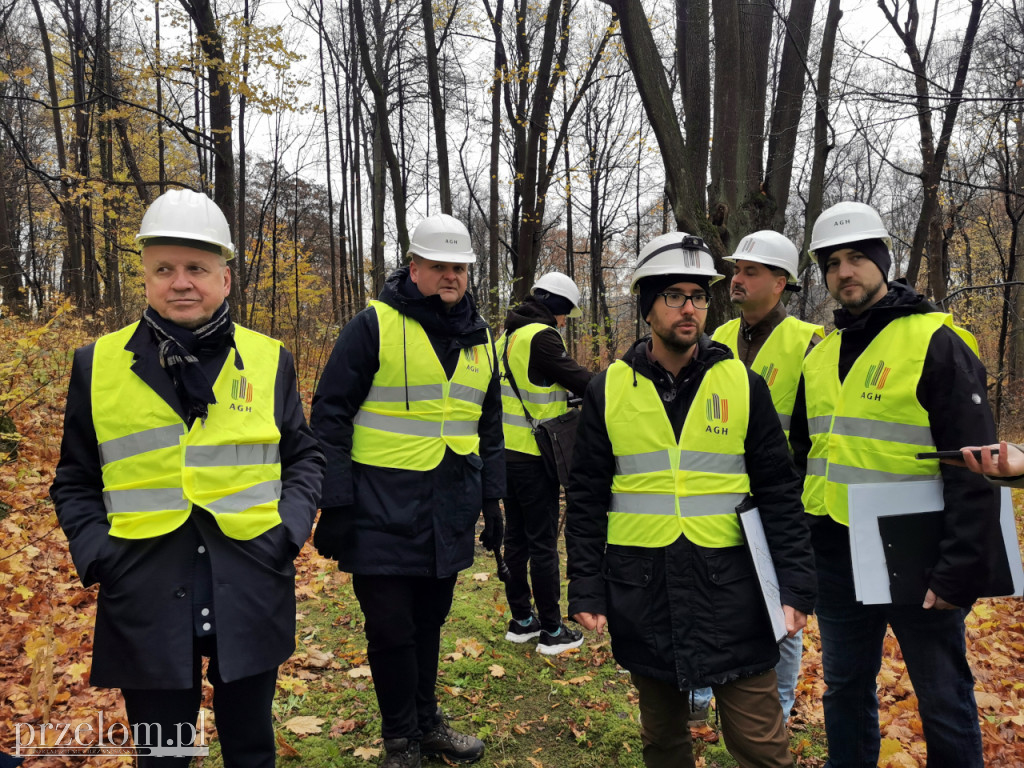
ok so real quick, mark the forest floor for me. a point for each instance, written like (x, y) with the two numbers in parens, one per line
(570, 711)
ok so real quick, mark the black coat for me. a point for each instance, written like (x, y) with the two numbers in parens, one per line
(958, 553)
(397, 522)
(686, 614)
(147, 612)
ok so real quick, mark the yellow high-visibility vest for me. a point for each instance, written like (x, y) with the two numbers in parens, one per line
(413, 411)
(155, 468)
(779, 360)
(663, 487)
(543, 402)
(869, 428)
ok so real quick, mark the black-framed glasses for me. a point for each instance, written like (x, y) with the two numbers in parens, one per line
(677, 299)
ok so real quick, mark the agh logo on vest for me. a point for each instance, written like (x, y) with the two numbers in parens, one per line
(768, 373)
(717, 411)
(241, 391)
(472, 359)
(875, 380)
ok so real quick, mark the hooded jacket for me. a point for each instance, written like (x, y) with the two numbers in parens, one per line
(401, 522)
(549, 361)
(686, 614)
(963, 557)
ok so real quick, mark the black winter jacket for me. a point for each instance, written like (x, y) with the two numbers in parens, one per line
(686, 614)
(401, 522)
(549, 361)
(963, 557)
(152, 591)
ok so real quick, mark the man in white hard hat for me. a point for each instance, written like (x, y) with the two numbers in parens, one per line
(408, 412)
(187, 484)
(537, 377)
(772, 343)
(894, 380)
(673, 439)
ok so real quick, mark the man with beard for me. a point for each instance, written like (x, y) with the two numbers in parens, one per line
(674, 438)
(894, 380)
(772, 343)
(408, 412)
(186, 486)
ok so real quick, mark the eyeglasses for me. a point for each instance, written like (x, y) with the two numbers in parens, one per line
(678, 300)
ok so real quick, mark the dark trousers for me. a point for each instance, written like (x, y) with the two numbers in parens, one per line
(747, 708)
(531, 540)
(403, 619)
(242, 709)
(934, 648)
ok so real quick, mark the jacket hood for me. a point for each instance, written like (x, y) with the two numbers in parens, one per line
(899, 301)
(708, 353)
(529, 312)
(402, 294)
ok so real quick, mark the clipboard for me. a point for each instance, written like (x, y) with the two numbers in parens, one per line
(874, 507)
(764, 567)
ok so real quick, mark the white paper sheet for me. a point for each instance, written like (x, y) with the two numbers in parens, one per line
(765, 568)
(868, 502)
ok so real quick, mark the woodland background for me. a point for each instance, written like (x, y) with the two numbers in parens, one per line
(565, 134)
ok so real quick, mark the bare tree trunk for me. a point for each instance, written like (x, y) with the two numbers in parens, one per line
(335, 306)
(71, 270)
(824, 136)
(437, 110)
(241, 231)
(15, 296)
(500, 66)
(212, 44)
(374, 75)
(160, 149)
(789, 99)
(928, 233)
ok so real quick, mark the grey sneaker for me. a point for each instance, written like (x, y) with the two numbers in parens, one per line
(518, 632)
(450, 745)
(400, 753)
(562, 639)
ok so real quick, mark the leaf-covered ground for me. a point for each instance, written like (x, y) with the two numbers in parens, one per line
(570, 711)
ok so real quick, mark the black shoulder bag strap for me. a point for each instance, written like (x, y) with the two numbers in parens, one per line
(512, 380)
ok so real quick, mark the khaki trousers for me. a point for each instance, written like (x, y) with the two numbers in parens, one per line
(748, 710)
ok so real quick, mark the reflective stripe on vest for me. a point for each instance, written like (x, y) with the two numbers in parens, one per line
(869, 428)
(543, 402)
(155, 469)
(779, 361)
(662, 493)
(412, 411)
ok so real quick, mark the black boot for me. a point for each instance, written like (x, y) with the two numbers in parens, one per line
(400, 753)
(445, 742)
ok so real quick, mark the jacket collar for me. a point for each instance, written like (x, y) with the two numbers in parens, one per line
(147, 367)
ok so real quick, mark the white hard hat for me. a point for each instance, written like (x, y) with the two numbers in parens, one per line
(675, 253)
(186, 215)
(442, 238)
(848, 222)
(560, 285)
(770, 248)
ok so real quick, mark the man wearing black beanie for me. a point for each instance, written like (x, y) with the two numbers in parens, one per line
(895, 379)
(672, 439)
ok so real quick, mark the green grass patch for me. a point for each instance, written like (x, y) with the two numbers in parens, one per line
(575, 710)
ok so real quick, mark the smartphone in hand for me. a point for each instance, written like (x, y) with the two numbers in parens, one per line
(954, 454)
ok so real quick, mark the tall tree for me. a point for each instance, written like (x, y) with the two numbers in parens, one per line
(934, 151)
